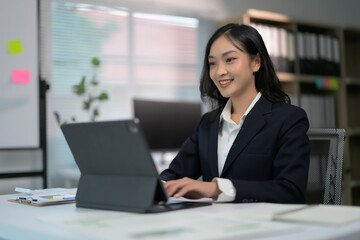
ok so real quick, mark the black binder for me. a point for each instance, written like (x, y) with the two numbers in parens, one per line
(117, 170)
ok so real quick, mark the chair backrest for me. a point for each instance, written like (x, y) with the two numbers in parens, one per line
(325, 171)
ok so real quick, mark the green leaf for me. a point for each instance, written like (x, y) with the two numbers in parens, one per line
(57, 117)
(103, 96)
(95, 62)
(80, 89)
(94, 82)
(73, 119)
(87, 105)
(95, 114)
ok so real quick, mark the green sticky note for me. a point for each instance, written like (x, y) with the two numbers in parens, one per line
(15, 47)
(334, 83)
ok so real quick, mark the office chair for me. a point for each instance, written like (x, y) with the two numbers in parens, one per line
(325, 171)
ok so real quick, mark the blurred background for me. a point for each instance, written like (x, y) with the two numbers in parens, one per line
(150, 53)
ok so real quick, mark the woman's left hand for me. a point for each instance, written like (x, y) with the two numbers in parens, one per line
(190, 188)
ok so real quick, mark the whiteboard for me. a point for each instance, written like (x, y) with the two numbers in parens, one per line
(19, 94)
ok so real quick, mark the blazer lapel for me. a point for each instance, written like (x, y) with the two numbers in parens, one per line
(253, 123)
(213, 146)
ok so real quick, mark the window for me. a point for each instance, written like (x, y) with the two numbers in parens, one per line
(165, 49)
(142, 55)
(81, 32)
(151, 49)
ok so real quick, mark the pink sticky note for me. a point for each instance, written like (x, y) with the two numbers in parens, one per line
(20, 76)
(326, 81)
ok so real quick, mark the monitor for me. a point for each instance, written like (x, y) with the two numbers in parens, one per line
(167, 124)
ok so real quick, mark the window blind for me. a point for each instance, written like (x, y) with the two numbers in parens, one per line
(142, 55)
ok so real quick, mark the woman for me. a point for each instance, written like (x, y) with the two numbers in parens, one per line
(253, 146)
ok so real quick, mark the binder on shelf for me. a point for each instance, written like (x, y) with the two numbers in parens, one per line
(330, 111)
(322, 53)
(308, 61)
(332, 67)
(275, 45)
(300, 45)
(283, 51)
(280, 45)
(336, 57)
(314, 65)
(320, 110)
(291, 52)
(318, 54)
(317, 111)
(328, 66)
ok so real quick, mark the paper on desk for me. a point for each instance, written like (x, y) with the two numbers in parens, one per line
(41, 196)
(182, 199)
(175, 225)
(264, 211)
(47, 191)
(324, 214)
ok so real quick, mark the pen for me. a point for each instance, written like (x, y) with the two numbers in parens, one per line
(23, 190)
(26, 199)
(62, 197)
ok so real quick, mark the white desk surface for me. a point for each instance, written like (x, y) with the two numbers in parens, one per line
(218, 221)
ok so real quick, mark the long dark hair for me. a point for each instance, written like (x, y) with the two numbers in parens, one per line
(266, 80)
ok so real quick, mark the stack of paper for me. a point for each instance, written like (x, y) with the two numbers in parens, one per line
(43, 197)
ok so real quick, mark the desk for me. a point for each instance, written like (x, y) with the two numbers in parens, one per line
(213, 222)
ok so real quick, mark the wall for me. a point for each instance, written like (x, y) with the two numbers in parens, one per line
(344, 12)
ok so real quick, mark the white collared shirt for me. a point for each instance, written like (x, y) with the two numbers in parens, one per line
(227, 133)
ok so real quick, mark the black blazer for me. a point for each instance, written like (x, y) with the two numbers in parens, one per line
(268, 161)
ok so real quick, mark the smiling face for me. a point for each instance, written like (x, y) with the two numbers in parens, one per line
(231, 69)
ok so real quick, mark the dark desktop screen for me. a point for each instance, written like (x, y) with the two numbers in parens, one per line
(166, 125)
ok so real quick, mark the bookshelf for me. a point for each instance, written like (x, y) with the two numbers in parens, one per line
(351, 68)
(318, 66)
